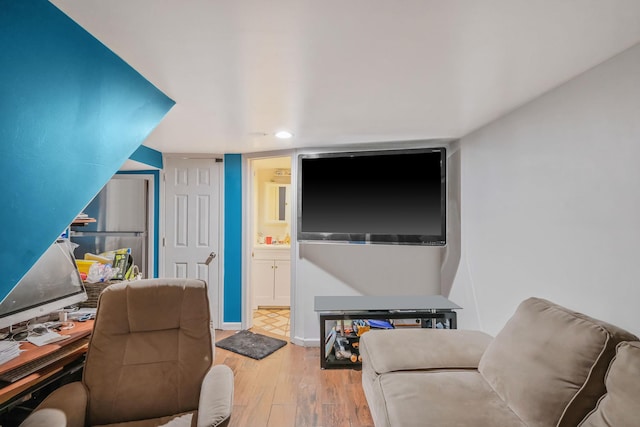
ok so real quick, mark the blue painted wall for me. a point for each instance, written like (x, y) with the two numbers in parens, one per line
(71, 113)
(233, 238)
(148, 156)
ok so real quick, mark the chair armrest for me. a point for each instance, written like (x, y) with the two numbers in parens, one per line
(46, 417)
(216, 397)
(422, 349)
(68, 403)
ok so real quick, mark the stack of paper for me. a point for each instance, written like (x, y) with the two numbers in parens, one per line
(9, 350)
(46, 338)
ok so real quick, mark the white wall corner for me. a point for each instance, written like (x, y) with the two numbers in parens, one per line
(306, 342)
(231, 326)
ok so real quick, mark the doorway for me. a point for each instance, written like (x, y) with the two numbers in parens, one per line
(269, 262)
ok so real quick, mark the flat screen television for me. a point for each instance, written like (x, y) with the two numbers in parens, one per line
(51, 284)
(381, 196)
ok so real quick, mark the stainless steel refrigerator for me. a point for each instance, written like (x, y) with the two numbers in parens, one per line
(121, 210)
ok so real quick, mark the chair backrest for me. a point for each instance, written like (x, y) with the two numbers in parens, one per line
(151, 346)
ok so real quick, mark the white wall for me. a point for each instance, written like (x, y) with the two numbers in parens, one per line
(551, 203)
(344, 269)
(347, 269)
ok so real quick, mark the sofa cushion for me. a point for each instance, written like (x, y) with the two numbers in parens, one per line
(437, 398)
(421, 348)
(548, 363)
(620, 407)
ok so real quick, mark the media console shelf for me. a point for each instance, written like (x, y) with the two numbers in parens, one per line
(429, 310)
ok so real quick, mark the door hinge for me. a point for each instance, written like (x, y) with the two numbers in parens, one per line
(163, 242)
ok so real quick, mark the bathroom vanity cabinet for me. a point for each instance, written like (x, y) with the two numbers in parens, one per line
(271, 276)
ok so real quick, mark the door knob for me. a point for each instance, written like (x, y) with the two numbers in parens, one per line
(210, 258)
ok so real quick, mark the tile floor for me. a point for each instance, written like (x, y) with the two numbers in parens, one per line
(274, 320)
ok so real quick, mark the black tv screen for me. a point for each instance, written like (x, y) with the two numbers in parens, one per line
(386, 196)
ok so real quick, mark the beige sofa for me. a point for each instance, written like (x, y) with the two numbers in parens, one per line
(548, 366)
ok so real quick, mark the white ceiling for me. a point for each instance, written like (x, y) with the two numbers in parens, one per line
(349, 71)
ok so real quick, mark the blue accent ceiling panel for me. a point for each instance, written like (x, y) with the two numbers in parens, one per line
(148, 156)
(71, 113)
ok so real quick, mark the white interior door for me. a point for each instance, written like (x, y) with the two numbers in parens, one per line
(192, 218)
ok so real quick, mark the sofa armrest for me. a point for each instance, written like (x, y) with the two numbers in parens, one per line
(422, 349)
(66, 406)
(216, 397)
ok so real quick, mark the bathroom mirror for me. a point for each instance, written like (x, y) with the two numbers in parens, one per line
(277, 203)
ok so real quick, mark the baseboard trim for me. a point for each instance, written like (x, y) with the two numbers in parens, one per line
(231, 326)
(306, 342)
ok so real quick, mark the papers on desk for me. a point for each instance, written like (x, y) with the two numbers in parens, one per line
(46, 338)
(9, 350)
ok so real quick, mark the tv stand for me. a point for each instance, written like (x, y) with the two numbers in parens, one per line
(432, 311)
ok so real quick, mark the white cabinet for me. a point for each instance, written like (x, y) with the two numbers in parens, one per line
(281, 283)
(271, 277)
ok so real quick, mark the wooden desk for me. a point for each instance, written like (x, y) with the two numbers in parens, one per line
(16, 392)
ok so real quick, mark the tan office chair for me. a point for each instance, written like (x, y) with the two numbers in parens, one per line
(149, 363)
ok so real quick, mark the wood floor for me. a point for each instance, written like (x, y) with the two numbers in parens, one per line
(288, 388)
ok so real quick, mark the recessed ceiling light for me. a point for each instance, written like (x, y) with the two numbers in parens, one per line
(283, 134)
